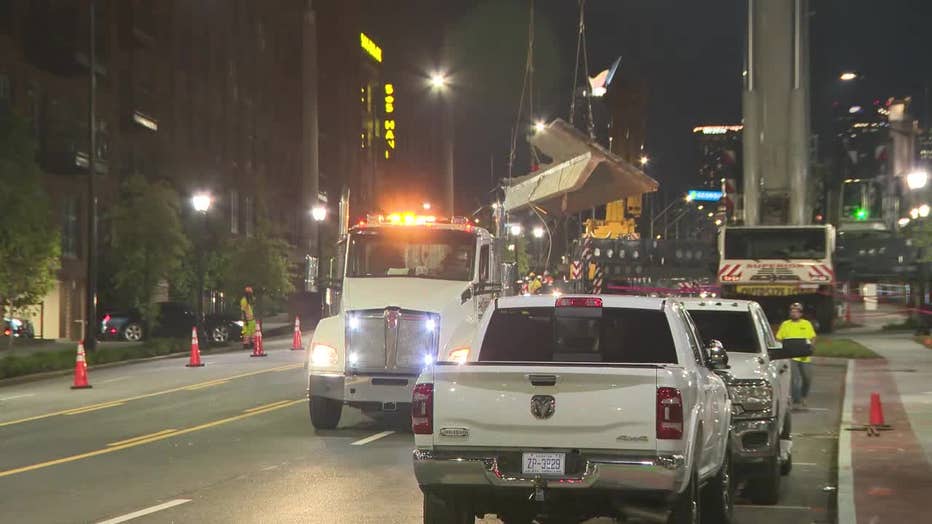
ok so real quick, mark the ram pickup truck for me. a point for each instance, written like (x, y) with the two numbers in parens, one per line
(575, 407)
(759, 384)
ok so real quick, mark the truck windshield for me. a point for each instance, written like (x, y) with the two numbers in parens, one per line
(620, 335)
(775, 244)
(734, 329)
(411, 252)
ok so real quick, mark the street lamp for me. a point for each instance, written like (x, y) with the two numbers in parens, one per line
(903, 222)
(201, 203)
(917, 180)
(515, 229)
(644, 160)
(539, 126)
(538, 232)
(426, 206)
(848, 76)
(924, 211)
(438, 80)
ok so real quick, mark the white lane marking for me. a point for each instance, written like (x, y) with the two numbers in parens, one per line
(373, 438)
(845, 500)
(805, 464)
(12, 397)
(112, 380)
(815, 409)
(756, 506)
(145, 511)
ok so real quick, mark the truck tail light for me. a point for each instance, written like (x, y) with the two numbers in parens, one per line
(422, 409)
(579, 302)
(669, 414)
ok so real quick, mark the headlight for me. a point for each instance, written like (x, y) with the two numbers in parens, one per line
(751, 395)
(323, 356)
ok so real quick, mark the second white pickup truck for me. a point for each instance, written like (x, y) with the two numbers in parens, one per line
(576, 407)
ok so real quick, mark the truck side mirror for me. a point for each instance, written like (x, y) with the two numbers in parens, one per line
(718, 357)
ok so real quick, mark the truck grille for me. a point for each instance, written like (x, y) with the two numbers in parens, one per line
(390, 340)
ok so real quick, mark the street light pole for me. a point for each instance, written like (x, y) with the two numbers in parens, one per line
(90, 313)
(201, 203)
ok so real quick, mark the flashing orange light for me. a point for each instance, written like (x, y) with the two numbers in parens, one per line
(409, 218)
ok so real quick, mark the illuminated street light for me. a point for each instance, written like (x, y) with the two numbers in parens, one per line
(718, 221)
(917, 180)
(914, 213)
(201, 202)
(848, 76)
(538, 231)
(515, 229)
(689, 197)
(711, 214)
(644, 160)
(700, 207)
(426, 206)
(539, 126)
(319, 213)
(903, 222)
(438, 80)
(924, 211)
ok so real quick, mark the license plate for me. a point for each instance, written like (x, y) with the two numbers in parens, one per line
(543, 463)
(767, 291)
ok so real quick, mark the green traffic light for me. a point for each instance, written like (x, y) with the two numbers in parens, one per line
(861, 214)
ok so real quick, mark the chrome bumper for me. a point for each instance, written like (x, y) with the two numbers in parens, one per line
(753, 441)
(664, 473)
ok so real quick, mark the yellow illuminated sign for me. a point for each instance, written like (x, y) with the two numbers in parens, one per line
(389, 122)
(370, 47)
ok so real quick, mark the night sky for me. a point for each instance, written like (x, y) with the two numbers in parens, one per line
(689, 53)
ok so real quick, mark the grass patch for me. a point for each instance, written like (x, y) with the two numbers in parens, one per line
(26, 364)
(841, 348)
(908, 324)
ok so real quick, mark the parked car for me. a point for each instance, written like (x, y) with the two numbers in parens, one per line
(174, 320)
(18, 328)
(576, 407)
(759, 384)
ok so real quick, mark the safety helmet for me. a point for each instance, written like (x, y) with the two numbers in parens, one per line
(248, 289)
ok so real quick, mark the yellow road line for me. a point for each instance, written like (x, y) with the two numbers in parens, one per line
(258, 408)
(145, 440)
(78, 411)
(142, 437)
(207, 385)
(147, 395)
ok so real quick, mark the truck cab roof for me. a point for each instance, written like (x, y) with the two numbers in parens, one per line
(609, 301)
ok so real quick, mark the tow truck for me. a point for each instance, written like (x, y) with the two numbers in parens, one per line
(413, 290)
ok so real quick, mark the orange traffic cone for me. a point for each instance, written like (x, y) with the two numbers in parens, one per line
(195, 361)
(296, 339)
(80, 369)
(257, 349)
(876, 411)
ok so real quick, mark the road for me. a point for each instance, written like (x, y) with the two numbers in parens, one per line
(231, 442)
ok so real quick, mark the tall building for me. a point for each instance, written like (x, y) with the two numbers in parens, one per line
(719, 154)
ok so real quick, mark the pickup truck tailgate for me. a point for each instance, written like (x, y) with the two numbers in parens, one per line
(568, 407)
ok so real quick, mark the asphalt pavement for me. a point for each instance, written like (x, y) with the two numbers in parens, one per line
(231, 442)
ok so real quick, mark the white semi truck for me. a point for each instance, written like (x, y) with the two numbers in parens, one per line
(413, 290)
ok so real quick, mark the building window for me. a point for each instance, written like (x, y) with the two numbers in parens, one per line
(234, 211)
(249, 218)
(70, 228)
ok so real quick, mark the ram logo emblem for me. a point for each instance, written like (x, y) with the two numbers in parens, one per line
(543, 406)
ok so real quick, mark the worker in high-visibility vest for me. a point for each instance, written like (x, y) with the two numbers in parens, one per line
(798, 327)
(248, 316)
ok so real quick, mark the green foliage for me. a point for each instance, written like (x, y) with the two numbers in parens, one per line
(260, 262)
(37, 362)
(148, 243)
(29, 241)
(920, 232)
(519, 256)
(841, 348)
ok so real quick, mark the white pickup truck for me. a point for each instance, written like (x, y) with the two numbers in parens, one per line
(576, 407)
(759, 383)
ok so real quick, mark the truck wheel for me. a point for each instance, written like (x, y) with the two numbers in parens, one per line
(440, 511)
(325, 412)
(718, 501)
(686, 508)
(766, 490)
(787, 465)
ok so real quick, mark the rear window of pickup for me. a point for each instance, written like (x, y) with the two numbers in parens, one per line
(612, 335)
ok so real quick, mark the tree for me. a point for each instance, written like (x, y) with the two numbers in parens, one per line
(29, 240)
(261, 262)
(148, 243)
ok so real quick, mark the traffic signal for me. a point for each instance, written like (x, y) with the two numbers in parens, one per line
(861, 214)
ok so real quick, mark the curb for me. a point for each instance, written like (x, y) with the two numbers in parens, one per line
(33, 377)
(845, 495)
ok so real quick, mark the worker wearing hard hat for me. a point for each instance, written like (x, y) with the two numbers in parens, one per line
(799, 328)
(534, 284)
(248, 316)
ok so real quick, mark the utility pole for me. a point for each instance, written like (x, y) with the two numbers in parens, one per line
(90, 314)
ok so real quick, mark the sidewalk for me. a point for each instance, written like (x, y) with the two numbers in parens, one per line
(890, 475)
